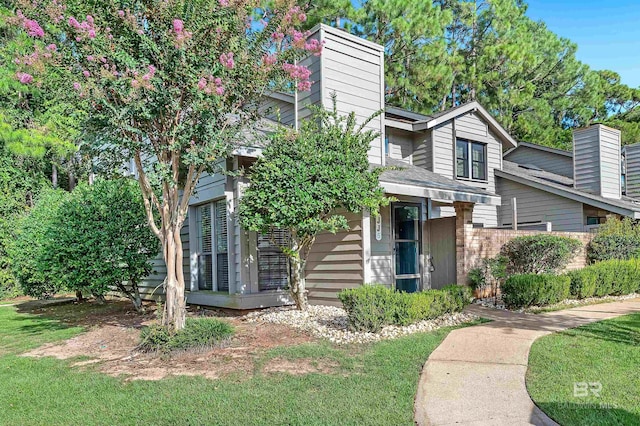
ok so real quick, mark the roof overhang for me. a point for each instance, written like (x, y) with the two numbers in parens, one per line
(540, 148)
(438, 194)
(585, 199)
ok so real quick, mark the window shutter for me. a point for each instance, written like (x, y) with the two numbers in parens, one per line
(273, 266)
(205, 258)
(222, 251)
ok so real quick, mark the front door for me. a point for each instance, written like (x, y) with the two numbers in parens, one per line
(407, 243)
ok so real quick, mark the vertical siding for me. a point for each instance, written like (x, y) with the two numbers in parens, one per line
(423, 150)
(549, 161)
(535, 205)
(633, 170)
(586, 159)
(381, 258)
(278, 110)
(353, 70)
(400, 145)
(335, 262)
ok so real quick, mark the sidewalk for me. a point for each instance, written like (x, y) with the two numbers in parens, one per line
(477, 375)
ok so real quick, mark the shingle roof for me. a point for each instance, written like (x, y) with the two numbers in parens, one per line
(404, 173)
(564, 184)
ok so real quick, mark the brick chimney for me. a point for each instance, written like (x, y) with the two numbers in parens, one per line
(596, 161)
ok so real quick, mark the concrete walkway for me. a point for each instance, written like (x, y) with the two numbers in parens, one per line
(477, 375)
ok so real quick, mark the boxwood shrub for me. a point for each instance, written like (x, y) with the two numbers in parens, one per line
(371, 307)
(611, 277)
(521, 291)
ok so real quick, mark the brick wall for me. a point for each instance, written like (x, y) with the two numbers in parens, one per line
(480, 243)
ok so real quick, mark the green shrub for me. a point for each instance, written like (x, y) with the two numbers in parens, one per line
(521, 291)
(583, 282)
(615, 239)
(371, 307)
(539, 254)
(198, 333)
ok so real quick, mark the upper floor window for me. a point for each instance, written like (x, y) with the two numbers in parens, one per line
(471, 160)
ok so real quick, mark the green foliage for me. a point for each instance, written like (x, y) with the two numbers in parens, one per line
(609, 277)
(34, 238)
(371, 307)
(615, 239)
(99, 240)
(491, 273)
(583, 282)
(539, 254)
(521, 291)
(198, 333)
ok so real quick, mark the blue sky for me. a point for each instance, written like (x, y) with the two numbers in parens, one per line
(607, 32)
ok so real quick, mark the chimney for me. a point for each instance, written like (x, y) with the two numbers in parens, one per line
(596, 161)
(632, 175)
(353, 69)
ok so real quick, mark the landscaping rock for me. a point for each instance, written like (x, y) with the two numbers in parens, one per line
(330, 322)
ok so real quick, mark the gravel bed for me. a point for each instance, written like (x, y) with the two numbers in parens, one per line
(330, 322)
(490, 302)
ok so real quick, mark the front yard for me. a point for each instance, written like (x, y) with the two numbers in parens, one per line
(589, 375)
(301, 381)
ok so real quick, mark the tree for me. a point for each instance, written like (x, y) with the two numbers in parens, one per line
(168, 84)
(35, 278)
(304, 179)
(99, 240)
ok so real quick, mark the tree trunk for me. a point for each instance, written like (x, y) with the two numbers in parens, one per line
(175, 303)
(79, 297)
(54, 175)
(298, 287)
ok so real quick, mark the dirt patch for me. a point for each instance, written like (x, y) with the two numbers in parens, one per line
(299, 367)
(110, 346)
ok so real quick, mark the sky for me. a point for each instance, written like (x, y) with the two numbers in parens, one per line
(607, 32)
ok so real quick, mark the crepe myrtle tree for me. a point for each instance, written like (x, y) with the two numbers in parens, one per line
(169, 84)
(305, 180)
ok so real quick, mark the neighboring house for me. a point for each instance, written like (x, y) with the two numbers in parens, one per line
(572, 191)
(442, 175)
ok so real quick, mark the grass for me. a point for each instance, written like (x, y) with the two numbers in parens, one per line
(373, 384)
(605, 352)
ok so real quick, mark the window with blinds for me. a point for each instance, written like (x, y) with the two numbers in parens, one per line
(213, 253)
(273, 267)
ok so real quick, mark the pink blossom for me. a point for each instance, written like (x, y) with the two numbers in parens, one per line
(297, 72)
(314, 46)
(76, 86)
(86, 73)
(223, 3)
(269, 59)
(90, 58)
(152, 69)
(304, 86)
(135, 83)
(115, 73)
(277, 36)
(92, 34)
(202, 83)
(110, 37)
(226, 59)
(121, 13)
(220, 90)
(90, 19)
(218, 81)
(78, 38)
(33, 28)
(103, 59)
(52, 47)
(24, 78)
(73, 22)
(178, 26)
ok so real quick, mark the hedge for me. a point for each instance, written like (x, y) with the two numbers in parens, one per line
(521, 291)
(539, 254)
(615, 239)
(610, 277)
(371, 307)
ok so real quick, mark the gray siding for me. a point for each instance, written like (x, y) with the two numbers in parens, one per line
(443, 149)
(549, 161)
(535, 205)
(633, 170)
(335, 262)
(353, 69)
(423, 150)
(597, 160)
(400, 145)
(278, 110)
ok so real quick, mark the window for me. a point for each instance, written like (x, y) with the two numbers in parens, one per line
(273, 266)
(386, 145)
(211, 238)
(471, 160)
(596, 220)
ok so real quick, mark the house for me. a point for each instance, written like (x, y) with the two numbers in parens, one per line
(443, 179)
(571, 191)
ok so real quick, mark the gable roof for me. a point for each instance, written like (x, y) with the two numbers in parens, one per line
(403, 178)
(563, 186)
(540, 148)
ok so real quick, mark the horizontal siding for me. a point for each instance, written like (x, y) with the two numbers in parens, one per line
(278, 110)
(443, 149)
(423, 151)
(400, 145)
(587, 160)
(535, 205)
(335, 262)
(554, 163)
(633, 170)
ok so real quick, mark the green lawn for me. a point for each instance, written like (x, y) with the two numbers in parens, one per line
(605, 352)
(371, 385)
